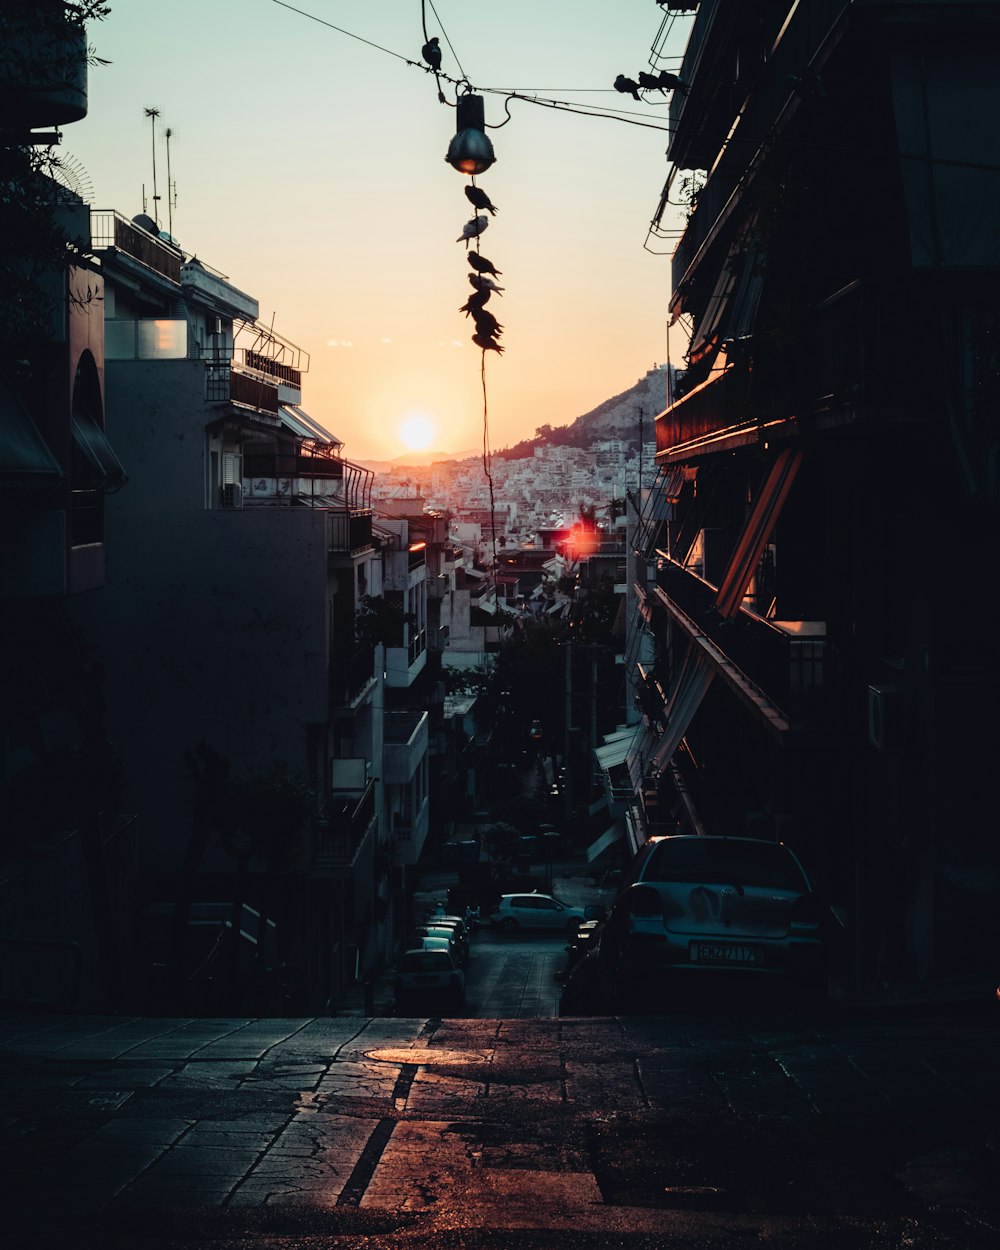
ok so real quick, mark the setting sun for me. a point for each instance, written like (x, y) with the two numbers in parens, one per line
(417, 431)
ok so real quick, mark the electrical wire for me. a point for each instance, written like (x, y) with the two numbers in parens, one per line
(488, 469)
(445, 33)
(350, 34)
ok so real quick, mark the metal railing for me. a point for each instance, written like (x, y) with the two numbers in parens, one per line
(337, 838)
(109, 229)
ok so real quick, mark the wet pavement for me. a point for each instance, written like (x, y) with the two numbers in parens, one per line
(710, 1129)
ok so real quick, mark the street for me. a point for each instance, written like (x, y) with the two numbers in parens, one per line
(512, 977)
(711, 1129)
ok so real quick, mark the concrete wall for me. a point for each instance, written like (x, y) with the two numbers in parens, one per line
(214, 623)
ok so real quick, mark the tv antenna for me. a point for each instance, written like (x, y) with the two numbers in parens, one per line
(171, 189)
(153, 114)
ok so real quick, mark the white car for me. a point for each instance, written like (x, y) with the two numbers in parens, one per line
(535, 911)
(429, 971)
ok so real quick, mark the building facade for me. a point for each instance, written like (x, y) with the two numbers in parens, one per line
(809, 664)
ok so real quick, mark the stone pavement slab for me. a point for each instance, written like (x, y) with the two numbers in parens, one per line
(785, 1131)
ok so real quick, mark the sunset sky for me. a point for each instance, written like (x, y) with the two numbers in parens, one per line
(309, 168)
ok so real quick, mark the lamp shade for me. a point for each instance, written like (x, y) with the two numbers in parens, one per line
(470, 152)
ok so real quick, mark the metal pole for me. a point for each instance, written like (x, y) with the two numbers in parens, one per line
(568, 787)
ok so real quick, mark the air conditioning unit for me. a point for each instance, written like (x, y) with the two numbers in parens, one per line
(885, 717)
(232, 496)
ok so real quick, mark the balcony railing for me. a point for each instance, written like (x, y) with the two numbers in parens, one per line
(264, 364)
(109, 229)
(337, 839)
(349, 531)
(225, 385)
(352, 670)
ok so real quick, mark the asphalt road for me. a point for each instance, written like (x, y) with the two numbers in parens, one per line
(509, 977)
(706, 1130)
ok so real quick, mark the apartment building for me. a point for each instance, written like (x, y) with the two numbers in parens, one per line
(814, 667)
(241, 556)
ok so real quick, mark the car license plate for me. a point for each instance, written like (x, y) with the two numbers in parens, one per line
(426, 978)
(724, 953)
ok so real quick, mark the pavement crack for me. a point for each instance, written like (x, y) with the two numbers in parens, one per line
(368, 1161)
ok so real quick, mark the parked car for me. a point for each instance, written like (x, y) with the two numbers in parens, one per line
(439, 929)
(704, 905)
(582, 940)
(535, 911)
(429, 972)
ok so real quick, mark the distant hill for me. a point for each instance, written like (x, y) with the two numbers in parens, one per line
(417, 459)
(618, 417)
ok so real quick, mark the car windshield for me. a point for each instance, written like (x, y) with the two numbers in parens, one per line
(425, 961)
(723, 860)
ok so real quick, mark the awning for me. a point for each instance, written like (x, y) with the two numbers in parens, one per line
(98, 452)
(615, 748)
(26, 463)
(305, 426)
(607, 840)
(695, 679)
(757, 531)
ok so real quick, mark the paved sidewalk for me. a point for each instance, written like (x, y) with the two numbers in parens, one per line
(176, 1132)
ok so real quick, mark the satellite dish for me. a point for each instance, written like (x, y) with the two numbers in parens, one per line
(145, 223)
(70, 173)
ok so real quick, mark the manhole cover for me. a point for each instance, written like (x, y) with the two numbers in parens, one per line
(428, 1055)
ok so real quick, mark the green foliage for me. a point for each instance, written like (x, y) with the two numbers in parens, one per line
(379, 620)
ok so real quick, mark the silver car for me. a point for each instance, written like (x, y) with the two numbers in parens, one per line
(535, 911)
(697, 904)
(429, 971)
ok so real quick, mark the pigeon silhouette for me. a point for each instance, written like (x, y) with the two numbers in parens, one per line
(649, 82)
(473, 229)
(671, 81)
(431, 52)
(627, 86)
(484, 284)
(474, 304)
(486, 323)
(486, 343)
(478, 198)
(482, 265)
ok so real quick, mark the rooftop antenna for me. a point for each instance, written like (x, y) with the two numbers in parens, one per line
(153, 114)
(171, 190)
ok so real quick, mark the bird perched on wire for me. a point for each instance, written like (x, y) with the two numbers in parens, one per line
(627, 86)
(473, 229)
(474, 303)
(482, 265)
(478, 198)
(484, 284)
(649, 82)
(431, 52)
(487, 324)
(671, 82)
(486, 343)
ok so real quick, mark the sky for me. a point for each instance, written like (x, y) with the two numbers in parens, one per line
(309, 168)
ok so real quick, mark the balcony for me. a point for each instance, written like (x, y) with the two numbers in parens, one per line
(109, 230)
(713, 417)
(352, 672)
(225, 385)
(336, 840)
(404, 664)
(405, 745)
(349, 531)
(785, 660)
